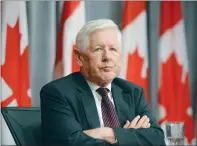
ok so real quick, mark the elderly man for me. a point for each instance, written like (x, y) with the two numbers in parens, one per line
(94, 107)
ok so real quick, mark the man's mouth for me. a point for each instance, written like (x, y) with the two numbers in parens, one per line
(107, 68)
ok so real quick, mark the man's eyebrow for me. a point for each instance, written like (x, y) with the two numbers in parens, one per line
(99, 45)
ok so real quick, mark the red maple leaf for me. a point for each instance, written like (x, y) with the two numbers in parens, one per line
(134, 69)
(174, 96)
(15, 70)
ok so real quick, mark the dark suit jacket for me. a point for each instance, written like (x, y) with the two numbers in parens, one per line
(68, 108)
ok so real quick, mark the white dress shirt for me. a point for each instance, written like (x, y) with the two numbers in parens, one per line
(98, 98)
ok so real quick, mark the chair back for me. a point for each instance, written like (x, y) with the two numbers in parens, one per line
(24, 124)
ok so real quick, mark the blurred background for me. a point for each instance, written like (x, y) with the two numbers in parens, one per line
(158, 49)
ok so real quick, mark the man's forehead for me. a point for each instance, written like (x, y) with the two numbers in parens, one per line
(105, 43)
(104, 30)
(104, 37)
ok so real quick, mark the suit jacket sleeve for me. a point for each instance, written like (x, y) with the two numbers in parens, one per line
(150, 136)
(58, 126)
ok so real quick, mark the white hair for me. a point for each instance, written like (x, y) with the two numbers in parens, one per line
(82, 38)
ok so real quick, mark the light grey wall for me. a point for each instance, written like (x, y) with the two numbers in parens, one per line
(153, 15)
(189, 14)
(42, 36)
(104, 9)
(190, 11)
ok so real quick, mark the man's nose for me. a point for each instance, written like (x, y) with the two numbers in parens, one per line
(106, 54)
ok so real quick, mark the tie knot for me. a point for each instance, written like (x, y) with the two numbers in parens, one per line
(102, 91)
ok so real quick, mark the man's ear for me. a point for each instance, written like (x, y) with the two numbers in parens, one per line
(78, 57)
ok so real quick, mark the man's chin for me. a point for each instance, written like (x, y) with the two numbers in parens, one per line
(107, 79)
(108, 75)
(104, 78)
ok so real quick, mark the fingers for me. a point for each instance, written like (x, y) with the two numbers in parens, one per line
(134, 122)
(146, 123)
(127, 124)
(138, 123)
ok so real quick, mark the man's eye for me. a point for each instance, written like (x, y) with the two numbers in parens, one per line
(112, 49)
(97, 49)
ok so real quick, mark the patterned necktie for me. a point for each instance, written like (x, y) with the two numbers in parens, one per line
(109, 115)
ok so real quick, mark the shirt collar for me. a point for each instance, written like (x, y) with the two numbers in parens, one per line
(94, 86)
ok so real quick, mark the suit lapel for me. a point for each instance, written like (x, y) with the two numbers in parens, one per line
(88, 101)
(123, 104)
(121, 100)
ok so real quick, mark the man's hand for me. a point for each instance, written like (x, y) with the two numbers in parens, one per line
(104, 133)
(95, 133)
(138, 123)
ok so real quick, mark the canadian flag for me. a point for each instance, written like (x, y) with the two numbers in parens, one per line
(15, 60)
(174, 94)
(72, 20)
(134, 44)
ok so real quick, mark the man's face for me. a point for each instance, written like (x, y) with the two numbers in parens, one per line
(101, 61)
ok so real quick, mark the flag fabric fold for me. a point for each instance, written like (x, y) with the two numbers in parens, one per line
(174, 93)
(72, 20)
(134, 44)
(15, 77)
